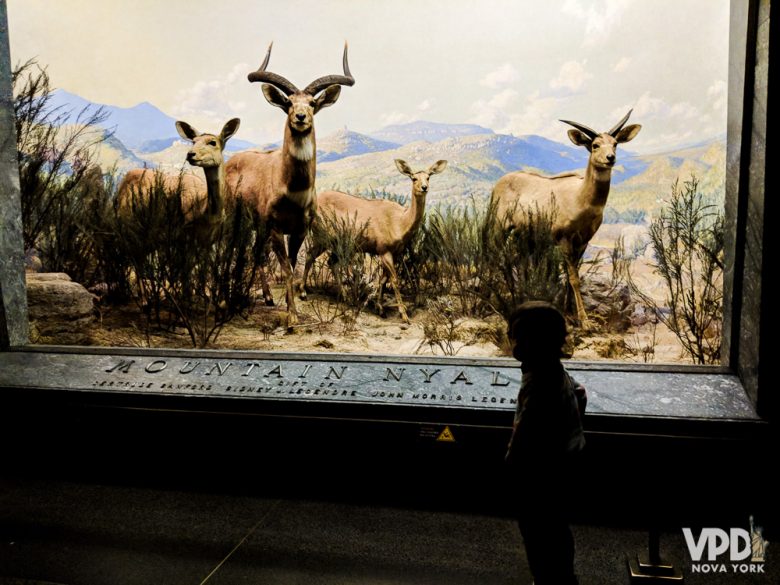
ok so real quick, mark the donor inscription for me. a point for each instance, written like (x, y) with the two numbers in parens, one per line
(445, 385)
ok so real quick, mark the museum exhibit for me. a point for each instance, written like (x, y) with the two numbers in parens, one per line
(234, 351)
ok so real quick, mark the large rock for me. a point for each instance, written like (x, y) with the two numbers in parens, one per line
(609, 302)
(54, 299)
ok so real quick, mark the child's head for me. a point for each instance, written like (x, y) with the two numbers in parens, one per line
(537, 330)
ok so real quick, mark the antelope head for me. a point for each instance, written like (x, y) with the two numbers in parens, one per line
(420, 178)
(301, 105)
(603, 146)
(206, 150)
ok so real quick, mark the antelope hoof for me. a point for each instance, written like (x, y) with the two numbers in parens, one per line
(586, 324)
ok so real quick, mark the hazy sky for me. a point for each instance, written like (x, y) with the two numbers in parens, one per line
(515, 66)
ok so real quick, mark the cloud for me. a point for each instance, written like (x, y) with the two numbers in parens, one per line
(213, 96)
(667, 125)
(599, 16)
(392, 118)
(650, 107)
(211, 103)
(539, 116)
(494, 112)
(622, 65)
(685, 111)
(397, 117)
(506, 112)
(571, 77)
(426, 105)
(718, 94)
(669, 140)
(501, 77)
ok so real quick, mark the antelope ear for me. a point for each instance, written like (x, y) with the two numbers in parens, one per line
(230, 128)
(579, 138)
(327, 98)
(403, 167)
(437, 167)
(186, 131)
(628, 133)
(276, 97)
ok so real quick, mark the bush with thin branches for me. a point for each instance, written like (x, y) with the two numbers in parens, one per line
(187, 276)
(59, 181)
(687, 241)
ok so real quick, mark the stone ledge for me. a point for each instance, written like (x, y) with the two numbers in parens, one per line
(486, 386)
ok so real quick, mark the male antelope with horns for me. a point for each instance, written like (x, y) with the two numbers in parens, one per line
(579, 199)
(279, 184)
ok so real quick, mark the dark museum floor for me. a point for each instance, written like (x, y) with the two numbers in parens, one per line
(71, 533)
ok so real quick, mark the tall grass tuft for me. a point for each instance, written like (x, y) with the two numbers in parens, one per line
(352, 274)
(454, 245)
(521, 261)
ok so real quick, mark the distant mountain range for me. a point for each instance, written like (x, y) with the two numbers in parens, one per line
(478, 157)
(143, 127)
(427, 131)
(476, 163)
(345, 143)
(158, 144)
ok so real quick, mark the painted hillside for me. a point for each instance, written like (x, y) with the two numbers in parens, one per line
(364, 163)
(477, 162)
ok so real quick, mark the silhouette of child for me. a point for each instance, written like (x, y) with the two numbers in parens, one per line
(546, 443)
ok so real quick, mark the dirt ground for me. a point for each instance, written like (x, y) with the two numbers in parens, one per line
(321, 330)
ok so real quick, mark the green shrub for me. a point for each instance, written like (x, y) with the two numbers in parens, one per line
(59, 183)
(199, 279)
(454, 241)
(347, 263)
(687, 241)
(521, 262)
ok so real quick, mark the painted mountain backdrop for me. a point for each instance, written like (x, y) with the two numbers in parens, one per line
(143, 127)
(427, 131)
(364, 164)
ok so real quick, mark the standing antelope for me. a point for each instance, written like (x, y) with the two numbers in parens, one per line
(202, 203)
(579, 199)
(388, 225)
(279, 184)
(206, 152)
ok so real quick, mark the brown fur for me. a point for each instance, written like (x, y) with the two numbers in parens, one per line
(388, 226)
(279, 184)
(202, 199)
(579, 199)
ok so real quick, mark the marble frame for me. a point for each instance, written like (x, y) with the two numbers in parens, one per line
(747, 180)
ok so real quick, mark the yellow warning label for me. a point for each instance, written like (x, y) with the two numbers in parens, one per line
(446, 435)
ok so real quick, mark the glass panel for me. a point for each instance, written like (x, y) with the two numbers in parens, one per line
(172, 261)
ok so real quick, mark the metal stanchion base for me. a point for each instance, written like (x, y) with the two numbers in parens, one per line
(642, 570)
